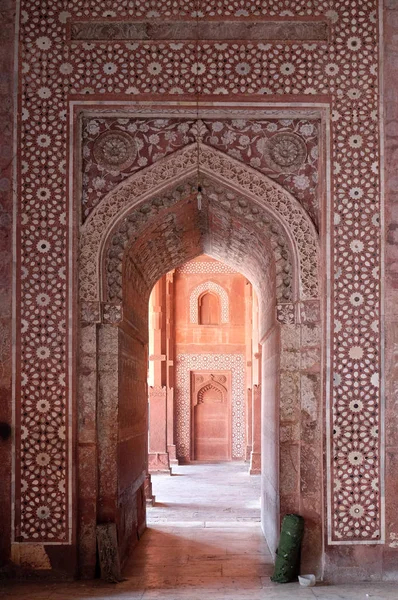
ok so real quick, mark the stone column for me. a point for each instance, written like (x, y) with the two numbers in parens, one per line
(158, 458)
(87, 455)
(311, 431)
(170, 373)
(122, 428)
(270, 510)
(97, 433)
(107, 422)
(249, 424)
(249, 367)
(255, 455)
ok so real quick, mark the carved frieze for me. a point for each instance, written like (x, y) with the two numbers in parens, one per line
(193, 30)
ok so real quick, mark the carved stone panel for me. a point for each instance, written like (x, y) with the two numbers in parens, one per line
(192, 30)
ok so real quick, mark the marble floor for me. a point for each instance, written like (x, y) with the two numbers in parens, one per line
(203, 541)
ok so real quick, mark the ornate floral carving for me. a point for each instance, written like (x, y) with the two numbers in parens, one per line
(199, 130)
(285, 152)
(114, 150)
(238, 135)
(112, 313)
(90, 312)
(285, 313)
(310, 311)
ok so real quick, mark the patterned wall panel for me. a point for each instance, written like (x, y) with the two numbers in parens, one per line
(209, 362)
(204, 266)
(344, 69)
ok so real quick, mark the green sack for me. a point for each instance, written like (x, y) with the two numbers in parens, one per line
(287, 561)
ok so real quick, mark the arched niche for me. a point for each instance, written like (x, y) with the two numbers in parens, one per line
(180, 166)
(215, 291)
(209, 309)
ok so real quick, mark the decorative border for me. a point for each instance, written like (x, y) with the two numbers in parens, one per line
(328, 239)
(208, 286)
(206, 267)
(347, 74)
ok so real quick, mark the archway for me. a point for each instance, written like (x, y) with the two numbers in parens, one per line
(150, 224)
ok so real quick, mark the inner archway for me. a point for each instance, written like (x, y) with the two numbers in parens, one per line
(200, 373)
(129, 242)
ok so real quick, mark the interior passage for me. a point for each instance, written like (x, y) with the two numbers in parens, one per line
(203, 531)
(203, 541)
(208, 496)
(203, 535)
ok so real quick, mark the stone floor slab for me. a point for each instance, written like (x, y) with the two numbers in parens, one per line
(203, 541)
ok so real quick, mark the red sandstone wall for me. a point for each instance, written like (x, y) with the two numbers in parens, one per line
(193, 338)
(380, 561)
(133, 438)
(7, 12)
(388, 560)
(292, 435)
(132, 444)
(360, 561)
(270, 440)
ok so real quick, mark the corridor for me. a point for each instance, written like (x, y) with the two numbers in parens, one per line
(203, 532)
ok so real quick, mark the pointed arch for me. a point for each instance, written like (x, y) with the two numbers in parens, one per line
(208, 286)
(177, 167)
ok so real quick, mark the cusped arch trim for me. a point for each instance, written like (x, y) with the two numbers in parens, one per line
(212, 385)
(208, 286)
(130, 229)
(175, 168)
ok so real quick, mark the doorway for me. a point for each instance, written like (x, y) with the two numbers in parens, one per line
(257, 233)
(211, 415)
